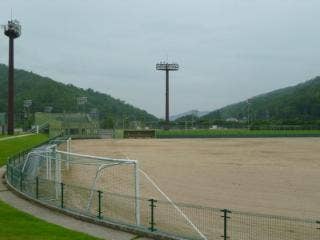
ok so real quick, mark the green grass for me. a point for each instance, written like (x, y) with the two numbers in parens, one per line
(16, 225)
(13, 146)
(203, 133)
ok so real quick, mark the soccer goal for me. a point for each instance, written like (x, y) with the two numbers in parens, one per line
(83, 178)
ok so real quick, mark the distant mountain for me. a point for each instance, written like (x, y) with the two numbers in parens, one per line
(45, 92)
(195, 113)
(296, 103)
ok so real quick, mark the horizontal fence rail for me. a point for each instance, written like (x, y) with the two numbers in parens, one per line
(158, 216)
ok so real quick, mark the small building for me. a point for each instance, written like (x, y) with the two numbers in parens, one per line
(232, 119)
(73, 124)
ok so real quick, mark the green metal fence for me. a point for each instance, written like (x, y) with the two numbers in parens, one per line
(177, 220)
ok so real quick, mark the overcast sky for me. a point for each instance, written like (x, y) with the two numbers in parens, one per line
(228, 50)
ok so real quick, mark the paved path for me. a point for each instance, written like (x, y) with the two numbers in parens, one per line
(17, 136)
(59, 218)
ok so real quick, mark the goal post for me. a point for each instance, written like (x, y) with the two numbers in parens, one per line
(110, 175)
(86, 175)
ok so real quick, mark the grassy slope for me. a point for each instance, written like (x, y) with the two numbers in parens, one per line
(236, 133)
(13, 146)
(62, 97)
(16, 225)
(299, 102)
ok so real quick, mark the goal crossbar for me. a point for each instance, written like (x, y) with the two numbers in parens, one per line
(102, 159)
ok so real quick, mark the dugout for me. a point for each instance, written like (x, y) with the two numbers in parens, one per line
(139, 133)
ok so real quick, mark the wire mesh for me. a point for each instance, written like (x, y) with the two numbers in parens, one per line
(207, 220)
(169, 219)
(81, 200)
(176, 219)
(119, 208)
(49, 192)
(105, 174)
(264, 227)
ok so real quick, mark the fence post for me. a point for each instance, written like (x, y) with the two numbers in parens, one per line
(37, 187)
(11, 175)
(99, 206)
(225, 223)
(152, 208)
(21, 181)
(62, 189)
(7, 169)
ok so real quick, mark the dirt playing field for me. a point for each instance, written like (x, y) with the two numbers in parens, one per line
(273, 176)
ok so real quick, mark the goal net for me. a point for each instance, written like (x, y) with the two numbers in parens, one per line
(83, 178)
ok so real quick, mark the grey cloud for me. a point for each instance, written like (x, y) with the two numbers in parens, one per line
(228, 50)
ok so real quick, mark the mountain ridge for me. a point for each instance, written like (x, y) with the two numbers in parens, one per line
(194, 112)
(45, 91)
(297, 102)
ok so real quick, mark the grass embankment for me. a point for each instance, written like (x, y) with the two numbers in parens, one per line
(16, 225)
(233, 133)
(15, 145)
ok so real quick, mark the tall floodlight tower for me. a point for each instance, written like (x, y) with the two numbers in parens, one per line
(167, 67)
(248, 113)
(12, 30)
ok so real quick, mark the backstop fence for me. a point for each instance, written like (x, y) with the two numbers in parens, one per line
(166, 218)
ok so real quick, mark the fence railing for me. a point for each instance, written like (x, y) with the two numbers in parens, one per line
(158, 216)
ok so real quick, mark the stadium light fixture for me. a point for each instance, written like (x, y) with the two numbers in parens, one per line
(167, 67)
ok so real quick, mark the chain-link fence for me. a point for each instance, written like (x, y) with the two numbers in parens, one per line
(178, 220)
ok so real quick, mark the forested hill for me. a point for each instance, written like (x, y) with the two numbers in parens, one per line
(297, 103)
(63, 97)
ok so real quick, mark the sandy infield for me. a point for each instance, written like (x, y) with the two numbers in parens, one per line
(273, 176)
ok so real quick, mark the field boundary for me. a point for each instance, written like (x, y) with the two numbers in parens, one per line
(236, 133)
(30, 206)
(237, 136)
(159, 219)
(86, 218)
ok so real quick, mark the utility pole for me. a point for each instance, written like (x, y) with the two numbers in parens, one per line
(11, 30)
(26, 106)
(248, 113)
(167, 67)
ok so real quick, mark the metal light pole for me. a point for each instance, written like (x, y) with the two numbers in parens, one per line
(167, 67)
(12, 30)
(248, 113)
(81, 102)
(26, 105)
(124, 121)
